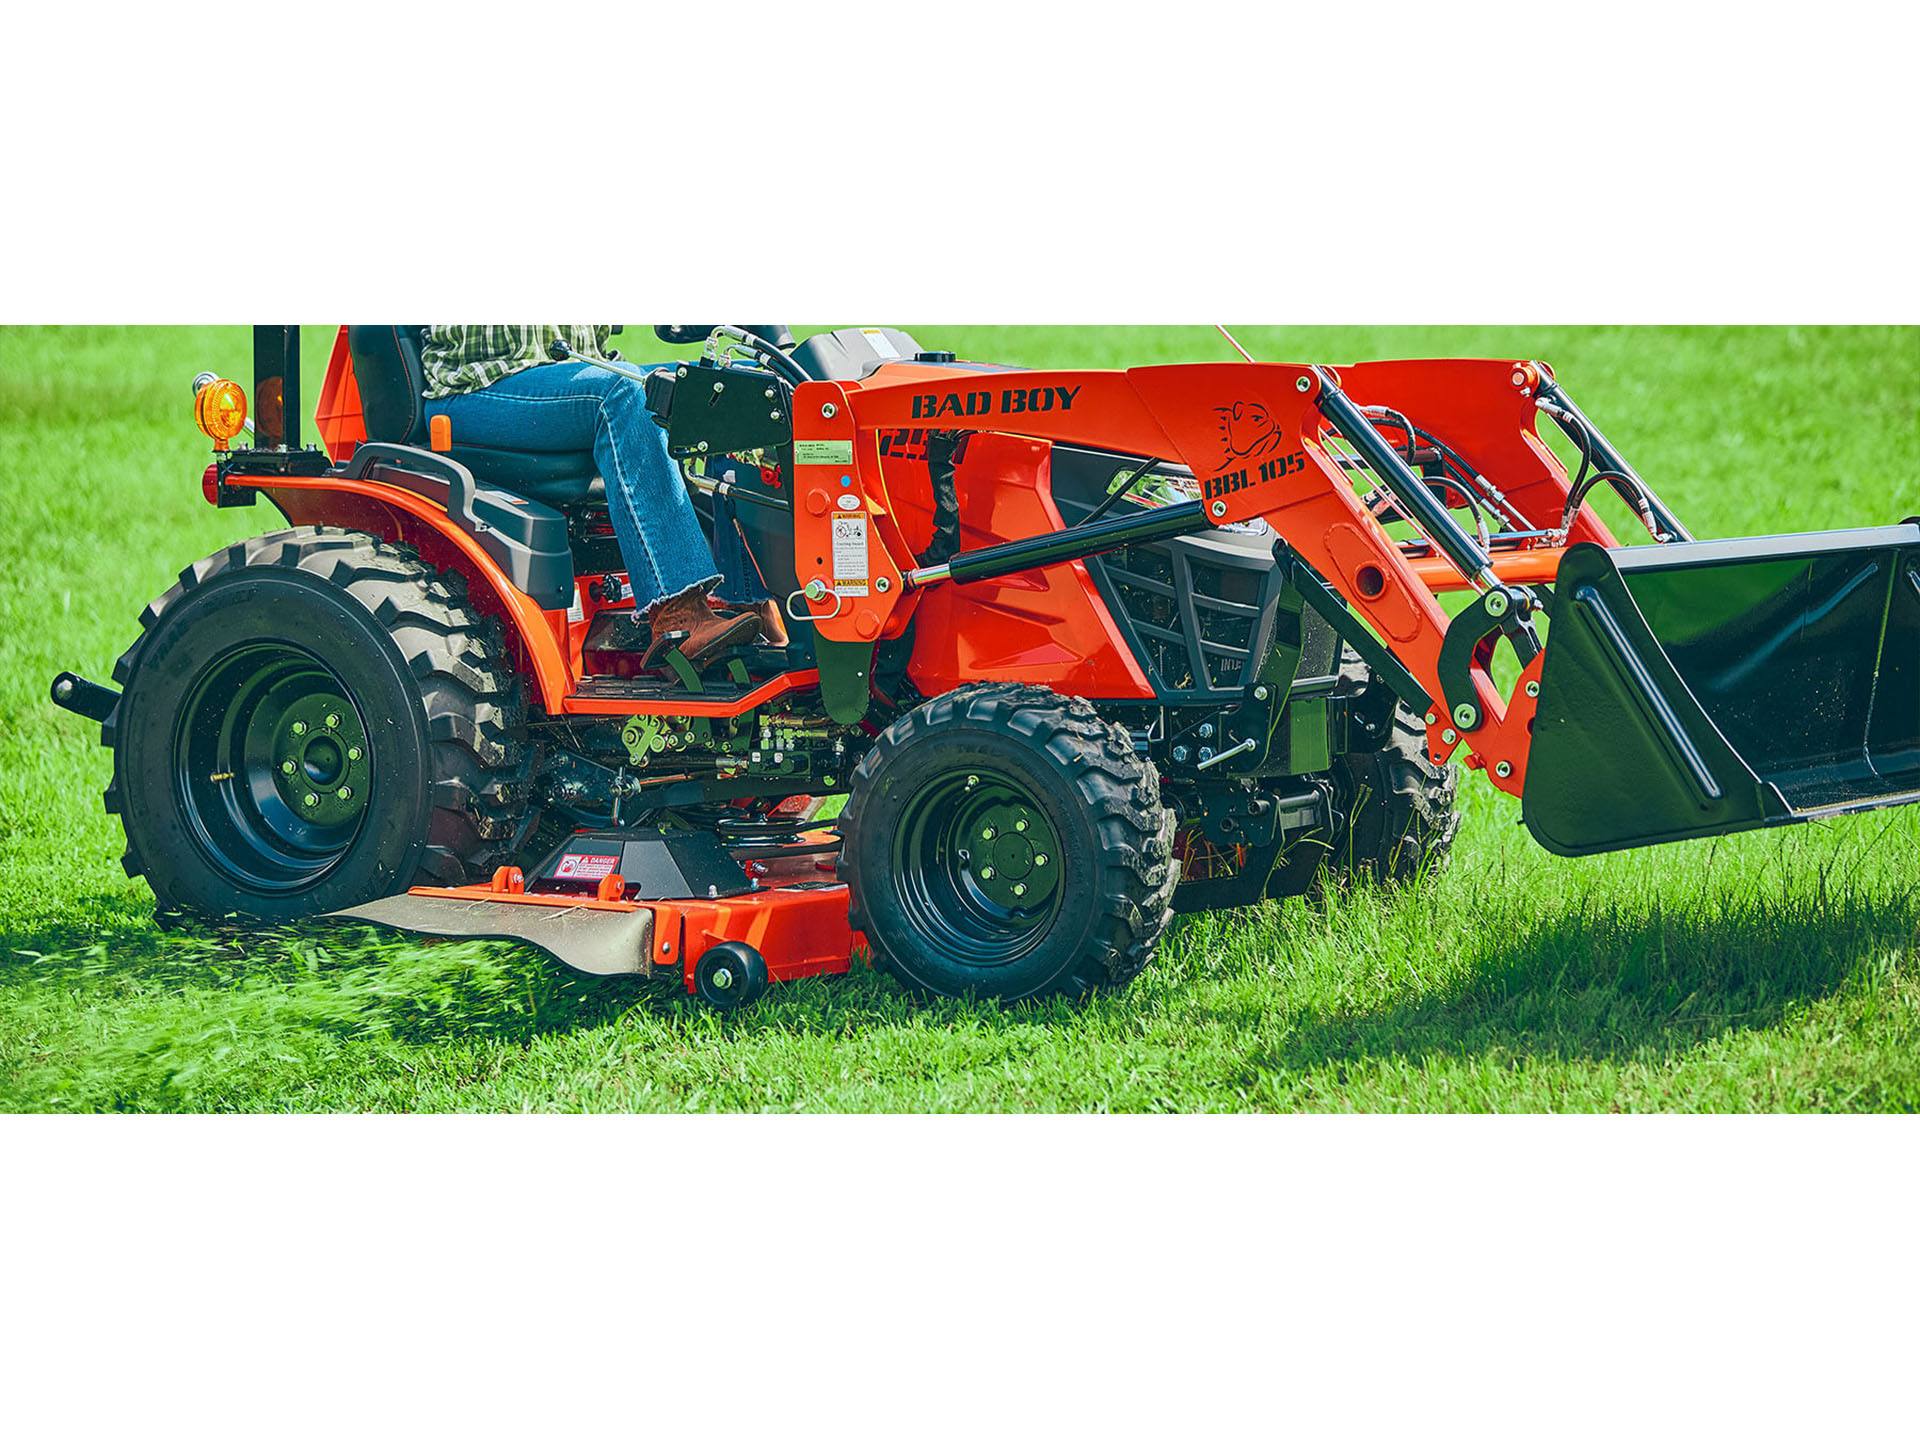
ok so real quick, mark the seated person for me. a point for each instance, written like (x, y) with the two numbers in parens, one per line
(498, 387)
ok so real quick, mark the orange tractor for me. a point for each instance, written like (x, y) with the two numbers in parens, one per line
(1079, 648)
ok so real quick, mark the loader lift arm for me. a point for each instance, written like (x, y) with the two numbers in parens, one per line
(1702, 687)
(1275, 442)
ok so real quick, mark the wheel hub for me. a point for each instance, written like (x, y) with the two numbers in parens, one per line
(978, 863)
(1008, 853)
(1012, 856)
(320, 765)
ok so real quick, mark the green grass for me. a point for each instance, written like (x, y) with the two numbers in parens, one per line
(1760, 972)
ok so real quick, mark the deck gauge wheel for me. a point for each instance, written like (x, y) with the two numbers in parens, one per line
(730, 975)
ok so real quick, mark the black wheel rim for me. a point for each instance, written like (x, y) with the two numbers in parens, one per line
(272, 767)
(977, 863)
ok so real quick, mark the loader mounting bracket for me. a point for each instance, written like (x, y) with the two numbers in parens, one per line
(1469, 645)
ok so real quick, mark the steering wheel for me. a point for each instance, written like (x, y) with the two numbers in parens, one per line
(779, 336)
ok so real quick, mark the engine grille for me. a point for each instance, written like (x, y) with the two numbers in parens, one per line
(1198, 609)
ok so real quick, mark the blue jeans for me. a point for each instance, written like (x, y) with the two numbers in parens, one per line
(557, 408)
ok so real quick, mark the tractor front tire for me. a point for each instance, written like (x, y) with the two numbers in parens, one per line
(1396, 818)
(1006, 842)
(310, 720)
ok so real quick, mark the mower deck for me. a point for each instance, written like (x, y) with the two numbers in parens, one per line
(686, 895)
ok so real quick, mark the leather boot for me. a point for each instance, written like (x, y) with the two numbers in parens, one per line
(773, 629)
(701, 631)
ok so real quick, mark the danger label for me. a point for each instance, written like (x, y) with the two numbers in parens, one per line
(585, 867)
(850, 554)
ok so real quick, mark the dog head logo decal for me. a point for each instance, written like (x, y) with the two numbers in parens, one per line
(1247, 431)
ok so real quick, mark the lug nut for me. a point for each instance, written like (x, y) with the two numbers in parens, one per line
(311, 800)
(986, 872)
(353, 752)
(333, 721)
(988, 833)
(345, 792)
(1019, 889)
(1040, 859)
(1021, 826)
(287, 767)
(299, 727)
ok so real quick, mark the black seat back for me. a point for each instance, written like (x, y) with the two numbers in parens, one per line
(393, 382)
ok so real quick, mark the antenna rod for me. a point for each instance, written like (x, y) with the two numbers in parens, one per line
(1236, 344)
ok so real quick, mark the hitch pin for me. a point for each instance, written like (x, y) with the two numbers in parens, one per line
(1240, 749)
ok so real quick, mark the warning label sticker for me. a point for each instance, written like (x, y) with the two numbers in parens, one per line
(585, 867)
(850, 554)
(823, 452)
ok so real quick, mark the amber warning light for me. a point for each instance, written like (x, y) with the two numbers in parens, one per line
(219, 408)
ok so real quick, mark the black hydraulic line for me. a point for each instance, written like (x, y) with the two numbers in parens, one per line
(1600, 453)
(1075, 543)
(1415, 500)
(1120, 492)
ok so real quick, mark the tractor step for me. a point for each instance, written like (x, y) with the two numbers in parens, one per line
(650, 689)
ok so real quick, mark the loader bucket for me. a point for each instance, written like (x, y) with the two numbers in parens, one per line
(1700, 688)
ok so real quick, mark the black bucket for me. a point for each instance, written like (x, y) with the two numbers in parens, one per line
(1700, 688)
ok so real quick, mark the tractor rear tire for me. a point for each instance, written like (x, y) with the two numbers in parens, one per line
(1006, 842)
(310, 720)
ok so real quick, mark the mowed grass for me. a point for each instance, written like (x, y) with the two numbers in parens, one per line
(1760, 972)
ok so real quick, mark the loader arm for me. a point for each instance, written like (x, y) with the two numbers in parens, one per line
(1695, 688)
(1276, 442)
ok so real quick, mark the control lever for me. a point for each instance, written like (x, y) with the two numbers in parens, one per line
(560, 350)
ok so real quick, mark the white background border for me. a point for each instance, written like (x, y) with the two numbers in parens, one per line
(951, 163)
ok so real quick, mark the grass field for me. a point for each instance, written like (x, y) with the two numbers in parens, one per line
(1761, 972)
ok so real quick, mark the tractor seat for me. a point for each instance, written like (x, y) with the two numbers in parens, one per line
(393, 383)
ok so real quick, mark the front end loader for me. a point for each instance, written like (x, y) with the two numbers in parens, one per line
(1080, 649)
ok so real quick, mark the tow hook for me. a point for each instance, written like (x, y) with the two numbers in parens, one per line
(83, 697)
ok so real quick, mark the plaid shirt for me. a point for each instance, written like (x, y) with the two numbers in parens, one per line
(459, 358)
